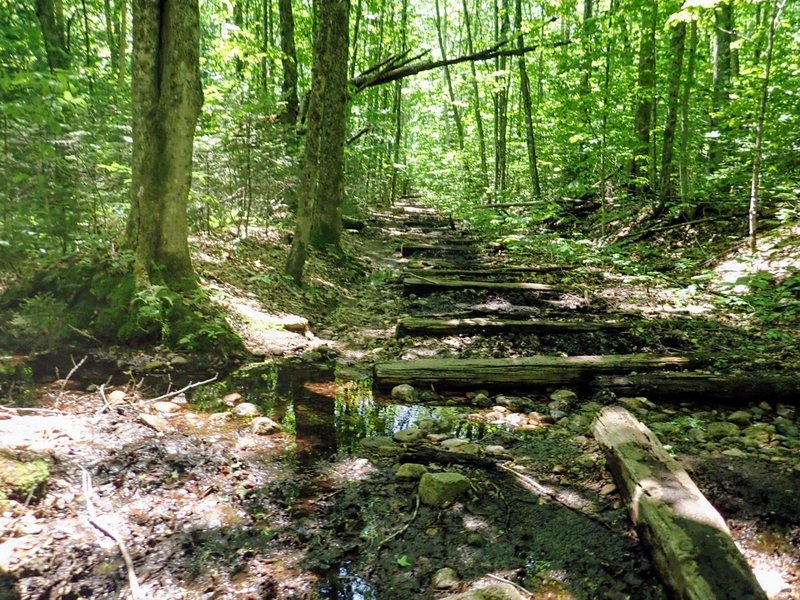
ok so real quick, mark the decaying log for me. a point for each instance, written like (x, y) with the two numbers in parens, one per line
(427, 455)
(454, 245)
(688, 539)
(739, 388)
(415, 284)
(420, 326)
(498, 271)
(452, 373)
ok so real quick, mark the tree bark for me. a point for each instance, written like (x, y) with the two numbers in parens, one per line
(448, 80)
(645, 105)
(501, 111)
(51, 19)
(525, 88)
(678, 43)
(122, 46)
(688, 539)
(683, 168)
(721, 76)
(517, 372)
(167, 97)
(289, 62)
(477, 102)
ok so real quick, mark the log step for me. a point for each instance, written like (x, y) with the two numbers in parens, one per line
(452, 373)
(497, 271)
(690, 543)
(452, 246)
(415, 284)
(410, 326)
(740, 387)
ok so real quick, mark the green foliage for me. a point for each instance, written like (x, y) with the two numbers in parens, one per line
(42, 320)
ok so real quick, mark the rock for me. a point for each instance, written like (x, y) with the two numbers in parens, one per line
(408, 436)
(246, 409)
(451, 443)
(760, 432)
(439, 489)
(513, 403)
(471, 449)
(445, 579)
(495, 450)
(166, 407)
(786, 427)
(787, 412)
(495, 591)
(92, 388)
(404, 392)
(500, 409)
(428, 396)
(557, 415)
(377, 441)
(427, 425)
(734, 453)
(160, 424)
(153, 365)
(482, 401)
(116, 397)
(220, 417)
(608, 489)
(264, 426)
(766, 407)
(563, 399)
(178, 361)
(437, 437)
(409, 471)
(231, 399)
(517, 419)
(722, 429)
(740, 417)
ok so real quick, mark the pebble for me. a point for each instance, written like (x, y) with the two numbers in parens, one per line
(246, 409)
(410, 471)
(116, 397)
(740, 417)
(264, 426)
(495, 450)
(407, 436)
(220, 417)
(166, 407)
(160, 424)
(734, 453)
(451, 443)
(404, 392)
(437, 437)
(445, 579)
(232, 398)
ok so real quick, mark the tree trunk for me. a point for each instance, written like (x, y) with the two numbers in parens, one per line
(51, 19)
(449, 81)
(477, 99)
(688, 83)
(398, 106)
(356, 36)
(678, 43)
(112, 32)
(122, 46)
(525, 88)
(755, 184)
(326, 230)
(723, 22)
(289, 62)
(167, 96)
(501, 108)
(645, 106)
(689, 541)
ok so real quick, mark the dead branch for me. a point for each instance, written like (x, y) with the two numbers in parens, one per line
(75, 367)
(183, 389)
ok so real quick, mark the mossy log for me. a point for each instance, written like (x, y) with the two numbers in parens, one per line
(413, 284)
(739, 388)
(497, 271)
(458, 246)
(433, 327)
(454, 373)
(689, 541)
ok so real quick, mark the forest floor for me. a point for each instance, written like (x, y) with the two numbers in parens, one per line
(278, 479)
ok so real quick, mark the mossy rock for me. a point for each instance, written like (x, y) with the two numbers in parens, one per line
(20, 479)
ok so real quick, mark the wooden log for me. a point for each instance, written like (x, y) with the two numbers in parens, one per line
(352, 223)
(452, 246)
(434, 327)
(738, 388)
(452, 373)
(688, 539)
(498, 271)
(413, 284)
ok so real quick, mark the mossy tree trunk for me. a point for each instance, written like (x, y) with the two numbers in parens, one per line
(167, 97)
(51, 19)
(289, 61)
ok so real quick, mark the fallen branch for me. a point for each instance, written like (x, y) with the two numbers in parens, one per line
(75, 367)
(403, 528)
(511, 583)
(183, 389)
(88, 491)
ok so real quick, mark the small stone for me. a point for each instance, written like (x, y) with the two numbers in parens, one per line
(246, 409)
(404, 392)
(608, 489)
(451, 443)
(740, 417)
(760, 432)
(264, 426)
(722, 429)
(439, 489)
(495, 450)
(765, 406)
(116, 397)
(513, 403)
(495, 591)
(408, 436)
(786, 427)
(153, 365)
(378, 441)
(634, 404)
(166, 407)
(500, 409)
(410, 471)
(92, 388)
(471, 449)
(482, 401)
(427, 425)
(734, 453)
(557, 470)
(564, 397)
(437, 437)
(445, 579)
(178, 361)
(557, 415)
(428, 396)
(160, 424)
(220, 417)
(232, 398)
(31, 528)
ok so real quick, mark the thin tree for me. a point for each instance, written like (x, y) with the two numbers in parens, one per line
(688, 83)
(755, 183)
(677, 43)
(51, 19)
(289, 62)
(645, 103)
(448, 79)
(476, 97)
(525, 88)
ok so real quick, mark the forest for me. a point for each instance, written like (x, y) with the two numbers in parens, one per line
(363, 299)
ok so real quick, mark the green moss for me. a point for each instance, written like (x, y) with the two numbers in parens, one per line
(21, 479)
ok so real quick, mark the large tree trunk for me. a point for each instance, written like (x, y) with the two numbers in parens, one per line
(289, 62)
(167, 97)
(722, 68)
(525, 88)
(677, 43)
(645, 105)
(683, 168)
(326, 230)
(51, 19)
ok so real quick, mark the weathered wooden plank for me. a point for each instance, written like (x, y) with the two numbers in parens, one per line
(688, 539)
(414, 284)
(409, 326)
(735, 388)
(517, 372)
